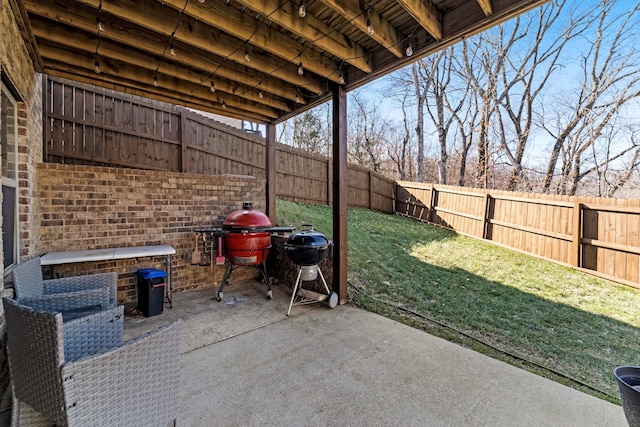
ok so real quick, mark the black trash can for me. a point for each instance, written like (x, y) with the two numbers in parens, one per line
(151, 284)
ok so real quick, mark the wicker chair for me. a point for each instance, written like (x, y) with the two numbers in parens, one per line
(72, 296)
(80, 373)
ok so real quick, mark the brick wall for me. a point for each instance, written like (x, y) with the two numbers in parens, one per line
(89, 207)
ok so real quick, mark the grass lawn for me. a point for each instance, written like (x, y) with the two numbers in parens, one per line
(552, 320)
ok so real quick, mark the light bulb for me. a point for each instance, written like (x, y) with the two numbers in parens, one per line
(213, 86)
(155, 81)
(300, 69)
(172, 50)
(246, 56)
(370, 30)
(224, 106)
(302, 10)
(297, 99)
(100, 25)
(97, 66)
(341, 78)
(409, 50)
(260, 95)
(201, 1)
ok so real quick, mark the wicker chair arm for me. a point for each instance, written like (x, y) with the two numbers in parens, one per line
(79, 283)
(133, 384)
(93, 334)
(69, 301)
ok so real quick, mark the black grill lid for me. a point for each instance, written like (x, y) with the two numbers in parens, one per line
(307, 238)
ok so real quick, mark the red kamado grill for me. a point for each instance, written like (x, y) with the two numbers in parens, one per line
(247, 240)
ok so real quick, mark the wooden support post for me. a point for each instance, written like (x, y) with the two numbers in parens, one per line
(182, 135)
(270, 171)
(576, 238)
(340, 189)
(329, 182)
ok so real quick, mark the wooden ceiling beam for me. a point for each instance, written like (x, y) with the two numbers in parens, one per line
(383, 32)
(107, 82)
(54, 34)
(244, 27)
(151, 43)
(285, 14)
(124, 71)
(164, 21)
(485, 5)
(426, 14)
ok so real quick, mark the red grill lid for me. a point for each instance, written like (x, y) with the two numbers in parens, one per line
(246, 218)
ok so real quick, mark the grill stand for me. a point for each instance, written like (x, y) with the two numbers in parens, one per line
(302, 296)
(230, 267)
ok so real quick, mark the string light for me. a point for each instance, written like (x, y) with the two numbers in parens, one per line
(302, 10)
(155, 80)
(260, 95)
(370, 30)
(224, 106)
(172, 50)
(341, 77)
(213, 87)
(409, 50)
(201, 1)
(97, 66)
(100, 25)
(246, 56)
(297, 98)
(300, 69)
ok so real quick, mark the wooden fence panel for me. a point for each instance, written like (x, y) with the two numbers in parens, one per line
(599, 236)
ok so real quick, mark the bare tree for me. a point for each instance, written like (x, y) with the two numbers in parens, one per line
(421, 96)
(609, 80)
(399, 148)
(367, 133)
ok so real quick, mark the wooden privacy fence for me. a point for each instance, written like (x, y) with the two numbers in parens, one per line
(598, 236)
(95, 126)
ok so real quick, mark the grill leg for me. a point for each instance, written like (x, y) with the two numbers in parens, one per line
(263, 270)
(225, 280)
(295, 290)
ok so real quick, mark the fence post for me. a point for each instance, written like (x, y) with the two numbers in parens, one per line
(370, 191)
(485, 220)
(432, 202)
(183, 141)
(394, 200)
(577, 234)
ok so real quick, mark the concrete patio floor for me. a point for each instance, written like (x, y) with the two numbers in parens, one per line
(245, 363)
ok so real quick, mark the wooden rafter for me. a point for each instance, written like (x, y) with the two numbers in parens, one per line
(426, 14)
(315, 31)
(485, 5)
(383, 32)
